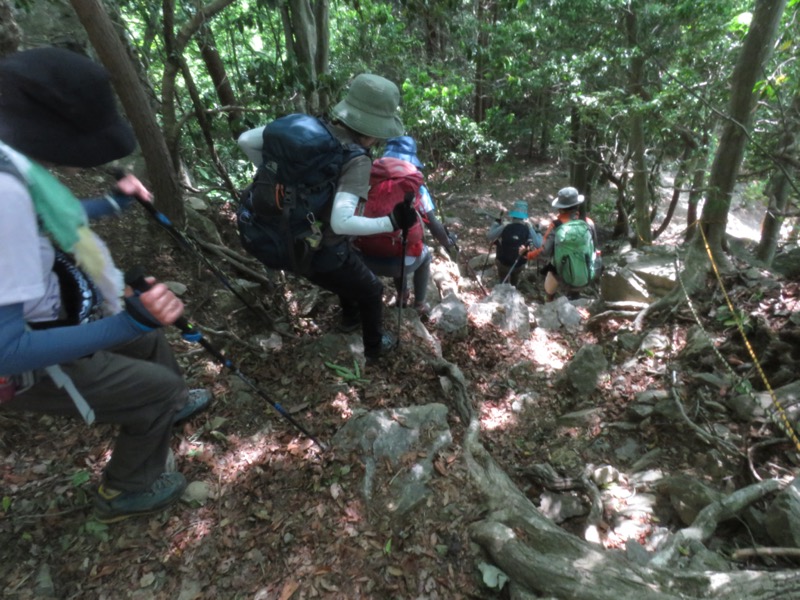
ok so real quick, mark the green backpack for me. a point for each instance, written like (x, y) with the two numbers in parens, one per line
(573, 255)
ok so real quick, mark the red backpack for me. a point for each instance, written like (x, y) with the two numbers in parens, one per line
(389, 181)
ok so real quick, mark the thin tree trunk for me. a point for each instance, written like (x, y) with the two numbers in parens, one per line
(778, 188)
(757, 47)
(162, 176)
(641, 196)
(222, 84)
(9, 30)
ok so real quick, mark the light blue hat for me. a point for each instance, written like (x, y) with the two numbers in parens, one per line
(404, 148)
(520, 210)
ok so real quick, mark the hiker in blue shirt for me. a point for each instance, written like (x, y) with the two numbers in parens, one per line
(72, 343)
(405, 148)
(509, 238)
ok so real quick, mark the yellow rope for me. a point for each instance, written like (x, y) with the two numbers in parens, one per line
(784, 422)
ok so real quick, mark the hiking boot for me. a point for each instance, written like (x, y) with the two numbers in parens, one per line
(112, 505)
(349, 325)
(388, 343)
(198, 401)
(549, 297)
(406, 298)
(423, 310)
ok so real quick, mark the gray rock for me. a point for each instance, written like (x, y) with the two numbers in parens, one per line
(698, 345)
(584, 370)
(688, 496)
(450, 316)
(393, 435)
(560, 507)
(783, 516)
(505, 308)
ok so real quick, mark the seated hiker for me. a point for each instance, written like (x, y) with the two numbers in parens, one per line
(339, 151)
(509, 238)
(379, 252)
(71, 342)
(570, 244)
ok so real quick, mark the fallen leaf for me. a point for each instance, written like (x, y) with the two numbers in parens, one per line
(289, 588)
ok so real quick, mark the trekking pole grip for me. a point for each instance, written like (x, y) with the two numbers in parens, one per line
(136, 278)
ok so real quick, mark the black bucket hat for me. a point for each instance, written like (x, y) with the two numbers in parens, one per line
(58, 106)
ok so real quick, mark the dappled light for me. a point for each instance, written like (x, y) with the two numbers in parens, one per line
(629, 435)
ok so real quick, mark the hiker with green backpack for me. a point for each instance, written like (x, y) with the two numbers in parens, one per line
(570, 244)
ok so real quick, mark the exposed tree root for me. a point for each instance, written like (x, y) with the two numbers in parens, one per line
(541, 558)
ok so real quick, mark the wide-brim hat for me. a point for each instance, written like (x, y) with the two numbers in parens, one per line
(520, 210)
(404, 148)
(567, 198)
(58, 106)
(370, 107)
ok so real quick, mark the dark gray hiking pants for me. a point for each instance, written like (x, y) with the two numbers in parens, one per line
(138, 386)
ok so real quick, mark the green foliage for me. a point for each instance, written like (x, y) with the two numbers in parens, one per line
(434, 111)
(733, 319)
(80, 477)
(96, 529)
(348, 375)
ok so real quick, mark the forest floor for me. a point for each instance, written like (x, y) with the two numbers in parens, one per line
(284, 519)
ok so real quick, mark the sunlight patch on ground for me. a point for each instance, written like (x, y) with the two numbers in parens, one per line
(342, 404)
(497, 417)
(546, 351)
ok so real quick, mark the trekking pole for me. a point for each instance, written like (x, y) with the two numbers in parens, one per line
(165, 223)
(136, 279)
(408, 199)
(511, 270)
(489, 252)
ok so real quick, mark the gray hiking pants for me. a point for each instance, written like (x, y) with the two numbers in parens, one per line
(138, 386)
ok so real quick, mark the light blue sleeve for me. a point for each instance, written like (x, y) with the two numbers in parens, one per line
(426, 200)
(23, 350)
(108, 206)
(536, 238)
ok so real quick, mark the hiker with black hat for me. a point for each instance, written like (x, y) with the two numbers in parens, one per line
(404, 148)
(72, 343)
(366, 115)
(510, 238)
(566, 259)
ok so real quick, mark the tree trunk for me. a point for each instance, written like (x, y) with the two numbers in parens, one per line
(778, 187)
(757, 47)
(681, 176)
(162, 177)
(9, 30)
(222, 84)
(322, 10)
(641, 197)
(700, 164)
(307, 38)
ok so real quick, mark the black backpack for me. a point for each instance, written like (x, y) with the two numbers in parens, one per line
(511, 238)
(286, 208)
